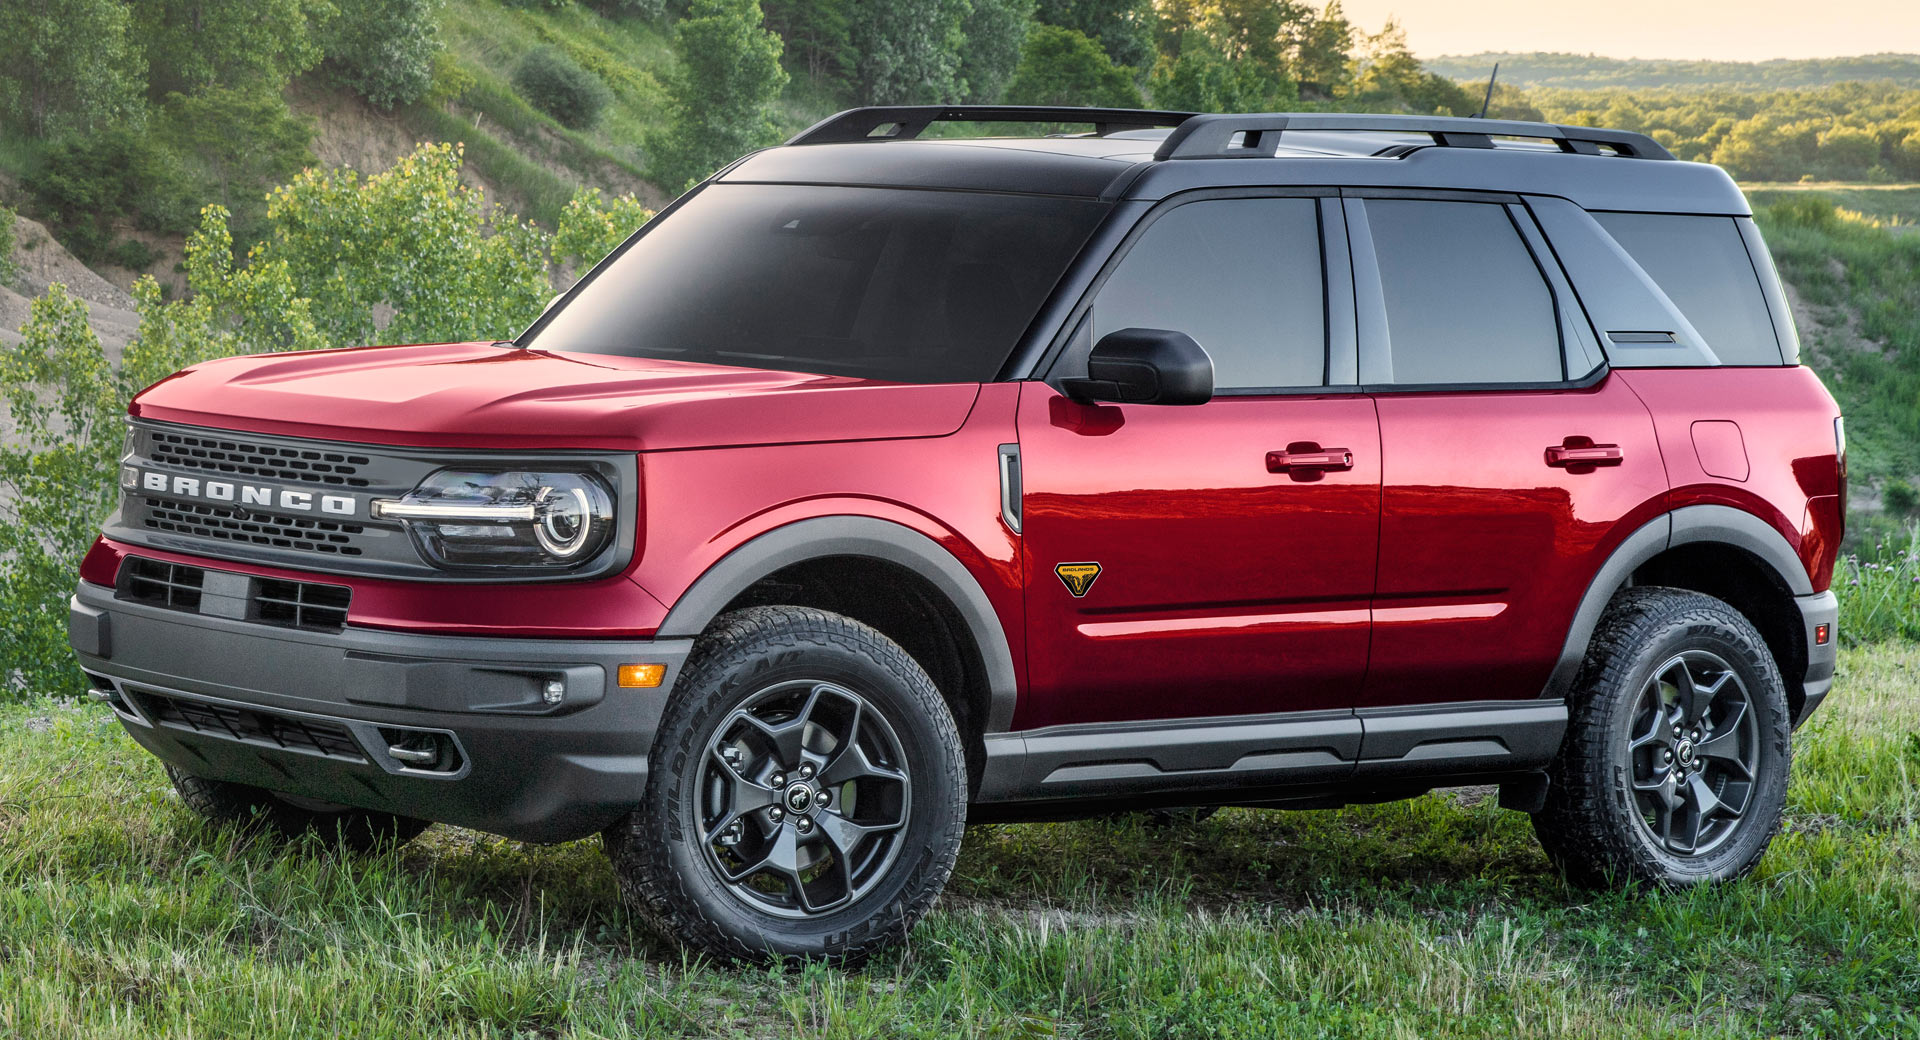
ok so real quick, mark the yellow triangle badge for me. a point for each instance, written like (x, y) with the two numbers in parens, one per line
(1078, 577)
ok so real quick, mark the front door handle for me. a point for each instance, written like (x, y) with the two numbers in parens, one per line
(1309, 458)
(1579, 451)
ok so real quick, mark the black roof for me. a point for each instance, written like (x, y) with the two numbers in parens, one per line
(1151, 155)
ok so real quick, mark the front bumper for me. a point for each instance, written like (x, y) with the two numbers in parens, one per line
(316, 714)
(1822, 608)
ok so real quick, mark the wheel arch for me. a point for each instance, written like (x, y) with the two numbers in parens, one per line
(1718, 550)
(872, 548)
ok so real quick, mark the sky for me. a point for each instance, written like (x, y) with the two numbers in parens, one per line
(1728, 30)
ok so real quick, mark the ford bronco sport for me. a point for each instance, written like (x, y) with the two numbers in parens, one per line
(884, 483)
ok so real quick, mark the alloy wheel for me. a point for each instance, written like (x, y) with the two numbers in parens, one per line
(1693, 752)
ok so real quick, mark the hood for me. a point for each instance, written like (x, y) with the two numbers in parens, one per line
(478, 395)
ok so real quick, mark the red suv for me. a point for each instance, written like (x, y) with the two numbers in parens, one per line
(880, 485)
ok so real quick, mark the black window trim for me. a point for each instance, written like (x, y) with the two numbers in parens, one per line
(1046, 368)
(1369, 295)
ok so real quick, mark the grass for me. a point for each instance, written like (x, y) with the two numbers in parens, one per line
(121, 914)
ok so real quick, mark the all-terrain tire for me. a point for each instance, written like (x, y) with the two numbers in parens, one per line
(240, 805)
(672, 879)
(1593, 827)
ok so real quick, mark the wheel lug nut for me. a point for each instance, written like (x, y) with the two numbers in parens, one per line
(825, 797)
(778, 780)
(806, 771)
(776, 814)
(803, 825)
(1667, 755)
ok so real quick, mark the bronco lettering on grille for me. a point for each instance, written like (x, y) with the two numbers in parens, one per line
(247, 494)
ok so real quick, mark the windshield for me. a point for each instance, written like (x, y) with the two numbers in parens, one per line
(884, 283)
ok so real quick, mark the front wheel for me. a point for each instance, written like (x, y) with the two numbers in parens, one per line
(805, 797)
(1674, 768)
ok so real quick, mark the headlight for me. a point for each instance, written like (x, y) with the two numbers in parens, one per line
(518, 519)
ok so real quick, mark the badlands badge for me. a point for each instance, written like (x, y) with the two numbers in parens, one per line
(1078, 577)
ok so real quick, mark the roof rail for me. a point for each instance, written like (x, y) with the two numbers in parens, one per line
(1213, 136)
(906, 122)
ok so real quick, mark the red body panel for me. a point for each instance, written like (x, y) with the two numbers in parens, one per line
(1225, 589)
(1785, 418)
(1486, 548)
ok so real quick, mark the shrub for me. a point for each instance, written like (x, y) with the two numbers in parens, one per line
(87, 183)
(1064, 67)
(385, 50)
(590, 227)
(721, 95)
(1900, 497)
(9, 267)
(556, 85)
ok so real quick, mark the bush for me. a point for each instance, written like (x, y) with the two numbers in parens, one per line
(722, 94)
(590, 227)
(385, 50)
(1900, 497)
(1064, 67)
(87, 183)
(9, 267)
(554, 84)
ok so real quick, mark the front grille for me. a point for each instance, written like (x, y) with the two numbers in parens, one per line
(252, 458)
(307, 605)
(255, 726)
(249, 527)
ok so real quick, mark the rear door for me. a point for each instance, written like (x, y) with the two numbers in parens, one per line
(1209, 560)
(1512, 461)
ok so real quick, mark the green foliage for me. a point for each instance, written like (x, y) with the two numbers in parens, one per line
(89, 183)
(1064, 67)
(67, 65)
(995, 32)
(195, 44)
(9, 267)
(1391, 76)
(906, 51)
(235, 144)
(591, 227)
(558, 86)
(721, 96)
(1880, 593)
(1592, 72)
(387, 51)
(1201, 79)
(1899, 497)
(817, 36)
(1123, 28)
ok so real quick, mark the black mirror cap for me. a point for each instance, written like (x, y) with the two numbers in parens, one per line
(1145, 366)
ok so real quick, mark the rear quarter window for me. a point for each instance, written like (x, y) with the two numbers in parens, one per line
(1703, 266)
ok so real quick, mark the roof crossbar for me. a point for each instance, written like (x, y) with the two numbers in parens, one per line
(1258, 136)
(906, 122)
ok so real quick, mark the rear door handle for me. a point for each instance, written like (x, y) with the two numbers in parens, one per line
(1309, 459)
(1584, 454)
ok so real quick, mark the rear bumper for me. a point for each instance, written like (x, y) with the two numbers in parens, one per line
(314, 714)
(1822, 608)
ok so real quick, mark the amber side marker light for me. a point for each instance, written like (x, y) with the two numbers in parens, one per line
(1821, 633)
(642, 676)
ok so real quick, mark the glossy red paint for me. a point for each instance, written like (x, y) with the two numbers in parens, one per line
(1496, 511)
(1785, 417)
(478, 395)
(1224, 588)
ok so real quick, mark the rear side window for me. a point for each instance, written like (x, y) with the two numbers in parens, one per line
(1702, 264)
(1241, 276)
(1465, 301)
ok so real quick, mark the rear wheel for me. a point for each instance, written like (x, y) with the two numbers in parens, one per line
(1675, 765)
(281, 816)
(805, 797)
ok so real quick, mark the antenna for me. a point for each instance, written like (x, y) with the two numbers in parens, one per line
(1488, 101)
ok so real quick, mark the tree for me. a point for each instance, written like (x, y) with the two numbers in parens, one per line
(907, 51)
(1064, 67)
(1391, 76)
(1123, 28)
(194, 44)
(1322, 51)
(1201, 79)
(817, 37)
(995, 32)
(720, 99)
(384, 49)
(67, 65)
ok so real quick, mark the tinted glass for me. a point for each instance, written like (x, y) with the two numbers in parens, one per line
(1465, 301)
(1241, 276)
(1703, 267)
(911, 286)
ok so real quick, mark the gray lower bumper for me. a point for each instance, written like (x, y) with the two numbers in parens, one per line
(1819, 609)
(315, 714)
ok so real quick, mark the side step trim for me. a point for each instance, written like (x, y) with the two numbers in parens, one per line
(1101, 760)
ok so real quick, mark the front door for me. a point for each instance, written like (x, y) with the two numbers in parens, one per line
(1217, 559)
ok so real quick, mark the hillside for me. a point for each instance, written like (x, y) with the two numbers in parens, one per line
(1592, 71)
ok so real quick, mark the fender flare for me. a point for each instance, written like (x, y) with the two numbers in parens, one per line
(865, 536)
(1699, 523)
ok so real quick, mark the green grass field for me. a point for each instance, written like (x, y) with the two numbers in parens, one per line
(123, 915)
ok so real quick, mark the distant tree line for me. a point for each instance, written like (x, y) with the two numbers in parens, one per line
(1590, 71)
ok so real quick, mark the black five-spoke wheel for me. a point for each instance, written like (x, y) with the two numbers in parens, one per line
(802, 798)
(1693, 752)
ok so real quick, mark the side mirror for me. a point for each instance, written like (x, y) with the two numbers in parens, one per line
(1145, 366)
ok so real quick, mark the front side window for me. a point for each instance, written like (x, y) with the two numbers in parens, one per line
(1241, 276)
(882, 283)
(1702, 265)
(1465, 301)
